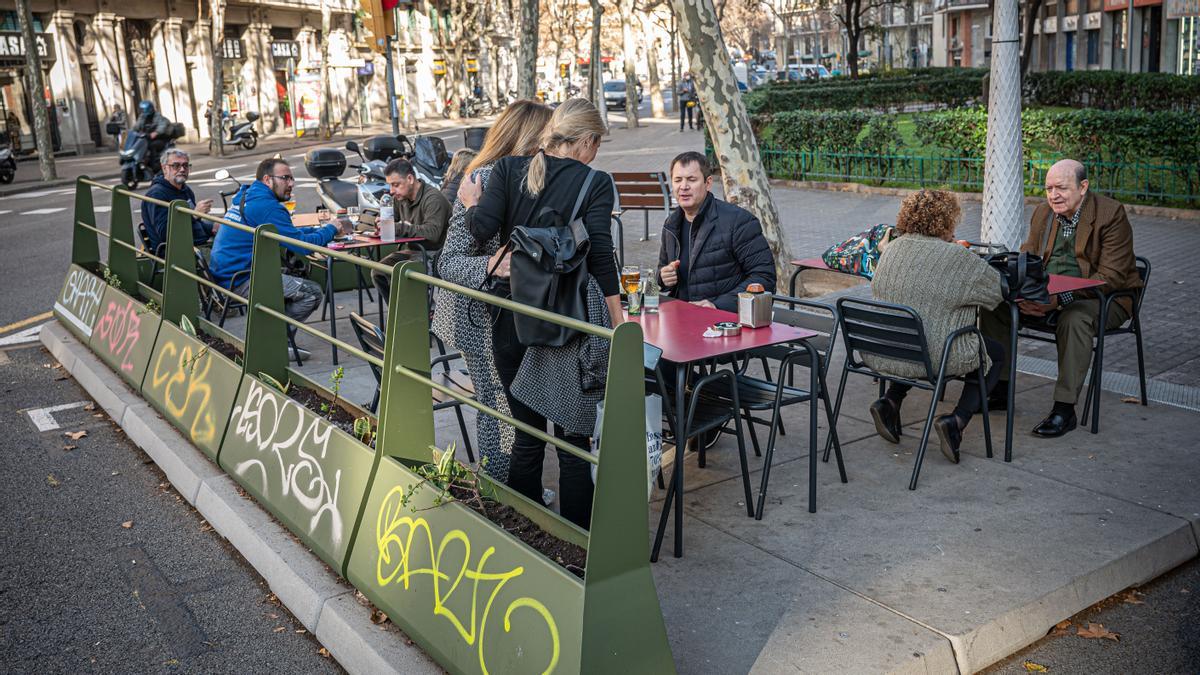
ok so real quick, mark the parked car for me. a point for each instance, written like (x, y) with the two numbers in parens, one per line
(614, 93)
(807, 71)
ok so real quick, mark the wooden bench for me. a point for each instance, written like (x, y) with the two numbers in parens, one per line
(640, 191)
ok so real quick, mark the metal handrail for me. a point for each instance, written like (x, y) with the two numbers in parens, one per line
(299, 325)
(208, 284)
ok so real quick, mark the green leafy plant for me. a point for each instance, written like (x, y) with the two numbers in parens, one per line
(451, 478)
(364, 430)
(335, 385)
(282, 387)
(185, 325)
(112, 279)
(152, 307)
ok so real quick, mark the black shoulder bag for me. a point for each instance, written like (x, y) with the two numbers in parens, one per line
(1023, 275)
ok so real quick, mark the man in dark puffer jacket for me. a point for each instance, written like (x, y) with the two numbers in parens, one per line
(720, 252)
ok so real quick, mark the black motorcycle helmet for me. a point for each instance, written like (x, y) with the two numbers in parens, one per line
(146, 107)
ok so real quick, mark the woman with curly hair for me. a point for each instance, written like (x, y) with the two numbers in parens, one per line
(946, 283)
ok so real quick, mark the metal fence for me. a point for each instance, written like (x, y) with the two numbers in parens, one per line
(1156, 184)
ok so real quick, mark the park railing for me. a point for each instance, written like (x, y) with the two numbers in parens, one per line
(475, 597)
(1157, 184)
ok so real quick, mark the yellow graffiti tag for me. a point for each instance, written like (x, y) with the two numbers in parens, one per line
(395, 536)
(185, 372)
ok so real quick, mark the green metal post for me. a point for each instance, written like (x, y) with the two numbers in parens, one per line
(622, 621)
(406, 406)
(181, 297)
(122, 261)
(266, 336)
(85, 243)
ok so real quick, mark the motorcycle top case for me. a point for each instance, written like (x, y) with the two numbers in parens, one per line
(382, 148)
(325, 163)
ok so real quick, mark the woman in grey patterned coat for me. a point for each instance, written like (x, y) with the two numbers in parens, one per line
(465, 324)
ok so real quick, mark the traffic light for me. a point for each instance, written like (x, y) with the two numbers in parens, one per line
(378, 20)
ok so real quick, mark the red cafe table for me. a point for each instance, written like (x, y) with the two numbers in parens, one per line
(361, 244)
(678, 330)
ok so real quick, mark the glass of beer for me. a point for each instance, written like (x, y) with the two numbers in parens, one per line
(634, 295)
(290, 205)
(631, 278)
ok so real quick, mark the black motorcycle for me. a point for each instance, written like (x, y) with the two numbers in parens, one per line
(8, 165)
(138, 163)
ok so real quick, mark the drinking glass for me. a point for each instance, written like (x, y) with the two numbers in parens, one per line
(352, 214)
(290, 205)
(323, 216)
(634, 296)
(631, 277)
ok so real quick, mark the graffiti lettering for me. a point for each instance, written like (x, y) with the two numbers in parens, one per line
(277, 425)
(181, 375)
(80, 299)
(396, 535)
(119, 330)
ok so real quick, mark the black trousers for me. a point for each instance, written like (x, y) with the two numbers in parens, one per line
(685, 113)
(970, 399)
(528, 453)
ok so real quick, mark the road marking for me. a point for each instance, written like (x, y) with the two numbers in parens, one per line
(43, 418)
(5, 211)
(25, 322)
(21, 337)
(101, 209)
(42, 212)
(231, 167)
(32, 195)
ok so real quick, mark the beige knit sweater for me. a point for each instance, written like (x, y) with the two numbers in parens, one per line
(945, 283)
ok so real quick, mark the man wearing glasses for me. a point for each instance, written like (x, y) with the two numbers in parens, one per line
(168, 186)
(256, 204)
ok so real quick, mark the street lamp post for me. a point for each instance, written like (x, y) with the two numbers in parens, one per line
(1003, 187)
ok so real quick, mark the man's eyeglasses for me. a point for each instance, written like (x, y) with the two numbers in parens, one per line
(180, 165)
(288, 179)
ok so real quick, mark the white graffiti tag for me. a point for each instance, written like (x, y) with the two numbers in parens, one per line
(276, 424)
(79, 301)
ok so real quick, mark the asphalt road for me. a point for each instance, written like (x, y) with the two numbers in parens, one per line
(104, 567)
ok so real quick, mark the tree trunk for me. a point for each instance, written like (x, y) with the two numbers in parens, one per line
(852, 36)
(674, 34)
(728, 125)
(1032, 8)
(527, 45)
(630, 49)
(595, 77)
(37, 89)
(326, 89)
(216, 140)
(657, 109)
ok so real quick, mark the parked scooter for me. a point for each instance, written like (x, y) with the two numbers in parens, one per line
(138, 164)
(430, 159)
(8, 165)
(243, 134)
(328, 164)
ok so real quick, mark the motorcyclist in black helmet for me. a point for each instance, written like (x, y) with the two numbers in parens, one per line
(157, 130)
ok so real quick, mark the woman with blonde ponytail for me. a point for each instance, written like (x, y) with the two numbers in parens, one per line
(557, 384)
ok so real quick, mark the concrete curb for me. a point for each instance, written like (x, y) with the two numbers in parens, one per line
(832, 186)
(319, 599)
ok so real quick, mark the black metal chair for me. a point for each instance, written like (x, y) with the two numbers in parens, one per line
(160, 251)
(896, 332)
(1044, 332)
(772, 393)
(704, 414)
(370, 337)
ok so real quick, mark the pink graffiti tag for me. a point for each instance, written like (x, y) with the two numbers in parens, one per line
(119, 330)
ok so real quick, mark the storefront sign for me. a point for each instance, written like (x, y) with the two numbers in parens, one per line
(439, 67)
(473, 66)
(1178, 9)
(1091, 20)
(1050, 24)
(285, 49)
(1146, 3)
(232, 49)
(1070, 23)
(12, 47)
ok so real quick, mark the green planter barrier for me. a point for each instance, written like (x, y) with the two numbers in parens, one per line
(192, 385)
(309, 473)
(474, 597)
(124, 335)
(78, 304)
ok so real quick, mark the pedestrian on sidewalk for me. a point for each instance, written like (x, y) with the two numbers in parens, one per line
(687, 100)
(117, 123)
(460, 322)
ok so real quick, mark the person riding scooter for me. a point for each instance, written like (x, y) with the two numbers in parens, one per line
(157, 129)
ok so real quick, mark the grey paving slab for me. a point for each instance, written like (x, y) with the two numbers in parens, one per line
(989, 555)
(733, 608)
(1142, 455)
(363, 647)
(185, 466)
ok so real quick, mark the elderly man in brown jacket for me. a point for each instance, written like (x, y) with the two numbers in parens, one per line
(1081, 234)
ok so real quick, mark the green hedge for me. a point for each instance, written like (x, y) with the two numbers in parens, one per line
(879, 94)
(834, 131)
(1113, 90)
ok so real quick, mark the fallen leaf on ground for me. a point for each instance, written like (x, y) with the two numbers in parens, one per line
(1130, 399)
(52, 481)
(300, 631)
(1062, 627)
(90, 407)
(127, 524)
(171, 662)
(1032, 667)
(1133, 598)
(98, 415)
(1095, 631)
(323, 652)
(75, 435)
(278, 629)
(60, 378)
(378, 617)
(69, 448)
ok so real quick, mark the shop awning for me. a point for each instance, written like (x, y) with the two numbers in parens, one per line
(865, 52)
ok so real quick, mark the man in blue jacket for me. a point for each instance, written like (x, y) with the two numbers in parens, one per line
(168, 186)
(256, 204)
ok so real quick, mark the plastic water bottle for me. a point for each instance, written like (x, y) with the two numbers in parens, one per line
(387, 219)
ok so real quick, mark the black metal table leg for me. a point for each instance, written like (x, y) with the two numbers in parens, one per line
(332, 306)
(1012, 380)
(681, 373)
